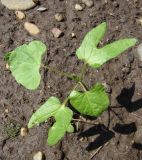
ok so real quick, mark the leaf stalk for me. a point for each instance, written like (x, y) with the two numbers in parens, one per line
(61, 73)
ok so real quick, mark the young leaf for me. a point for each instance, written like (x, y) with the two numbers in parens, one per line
(96, 57)
(62, 115)
(47, 110)
(110, 51)
(90, 41)
(25, 62)
(92, 102)
(63, 121)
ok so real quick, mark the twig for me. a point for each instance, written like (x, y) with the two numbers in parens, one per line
(94, 154)
(136, 115)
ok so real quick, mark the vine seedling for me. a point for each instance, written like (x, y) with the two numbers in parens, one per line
(25, 64)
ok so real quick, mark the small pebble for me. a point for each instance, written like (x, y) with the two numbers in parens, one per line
(78, 7)
(139, 21)
(38, 156)
(59, 17)
(89, 3)
(7, 66)
(83, 139)
(73, 35)
(20, 15)
(42, 9)
(56, 32)
(23, 132)
(6, 110)
(31, 28)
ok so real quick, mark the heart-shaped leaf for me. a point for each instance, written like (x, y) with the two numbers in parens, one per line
(25, 63)
(92, 102)
(96, 57)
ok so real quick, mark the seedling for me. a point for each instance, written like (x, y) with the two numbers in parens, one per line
(25, 63)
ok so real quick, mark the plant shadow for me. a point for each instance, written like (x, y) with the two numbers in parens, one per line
(125, 128)
(125, 99)
(104, 135)
(137, 146)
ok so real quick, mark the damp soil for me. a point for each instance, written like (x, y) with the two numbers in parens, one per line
(119, 129)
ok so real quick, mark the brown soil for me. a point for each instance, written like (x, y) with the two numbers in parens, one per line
(120, 127)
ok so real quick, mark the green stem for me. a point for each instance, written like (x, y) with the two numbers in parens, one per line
(61, 73)
(83, 70)
(65, 101)
(83, 86)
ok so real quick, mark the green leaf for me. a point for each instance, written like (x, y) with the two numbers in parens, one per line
(92, 102)
(57, 131)
(70, 129)
(90, 41)
(96, 57)
(25, 63)
(63, 116)
(48, 109)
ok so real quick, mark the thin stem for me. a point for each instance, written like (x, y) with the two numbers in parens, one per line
(61, 73)
(79, 120)
(83, 86)
(83, 70)
(65, 101)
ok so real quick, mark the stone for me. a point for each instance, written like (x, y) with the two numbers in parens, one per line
(20, 15)
(18, 4)
(59, 17)
(24, 131)
(42, 9)
(73, 35)
(31, 28)
(7, 66)
(38, 156)
(56, 32)
(139, 21)
(78, 7)
(88, 3)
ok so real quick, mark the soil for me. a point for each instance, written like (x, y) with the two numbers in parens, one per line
(119, 129)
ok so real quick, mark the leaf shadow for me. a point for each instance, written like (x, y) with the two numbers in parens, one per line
(125, 128)
(125, 99)
(137, 146)
(104, 135)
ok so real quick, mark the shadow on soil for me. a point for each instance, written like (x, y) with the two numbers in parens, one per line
(125, 99)
(104, 136)
(125, 128)
(137, 146)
